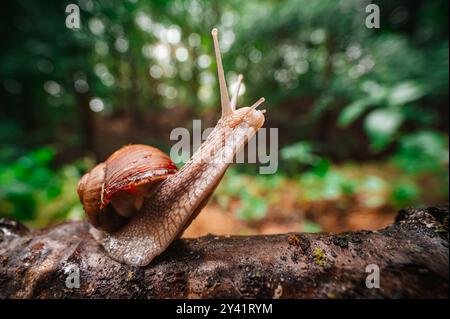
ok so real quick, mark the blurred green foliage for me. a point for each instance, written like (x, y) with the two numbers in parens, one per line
(339, 93)
(32, 190)
(310, 227)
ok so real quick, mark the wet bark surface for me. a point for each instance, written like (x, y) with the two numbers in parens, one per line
(412, 255)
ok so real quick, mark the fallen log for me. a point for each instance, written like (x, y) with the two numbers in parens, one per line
(64, 261)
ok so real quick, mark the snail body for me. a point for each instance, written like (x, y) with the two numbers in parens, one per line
(139, 202)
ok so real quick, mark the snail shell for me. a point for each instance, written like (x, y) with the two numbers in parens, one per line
(114, 190)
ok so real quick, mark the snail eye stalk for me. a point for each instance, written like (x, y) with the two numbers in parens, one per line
(224, 98)
(236, 93)
(228, 107)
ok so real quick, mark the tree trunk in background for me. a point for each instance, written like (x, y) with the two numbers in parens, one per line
(30, 120)
(133, 97)
(86, 122)
(412, 255)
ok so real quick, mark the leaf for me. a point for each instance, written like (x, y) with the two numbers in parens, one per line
(310, 227)
(423, 151)
(406, 92)
(375, 91)
(376, 94)
(351, 112)
(405, 193)
(322, 168)
(375, 191)
(253, 208)
(43, 155)
(381, 125)
(300, 152)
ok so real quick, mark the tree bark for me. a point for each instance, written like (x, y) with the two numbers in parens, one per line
(411, 254)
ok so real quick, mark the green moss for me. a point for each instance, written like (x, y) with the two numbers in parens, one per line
(320, 257)
(294, 240)
(331, 295)
(130, 276)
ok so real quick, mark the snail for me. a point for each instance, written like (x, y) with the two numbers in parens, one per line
(138, 202)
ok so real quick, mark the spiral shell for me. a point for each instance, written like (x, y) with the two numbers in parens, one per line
(113, 190)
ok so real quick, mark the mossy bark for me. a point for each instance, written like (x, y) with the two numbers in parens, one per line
(412, 256)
